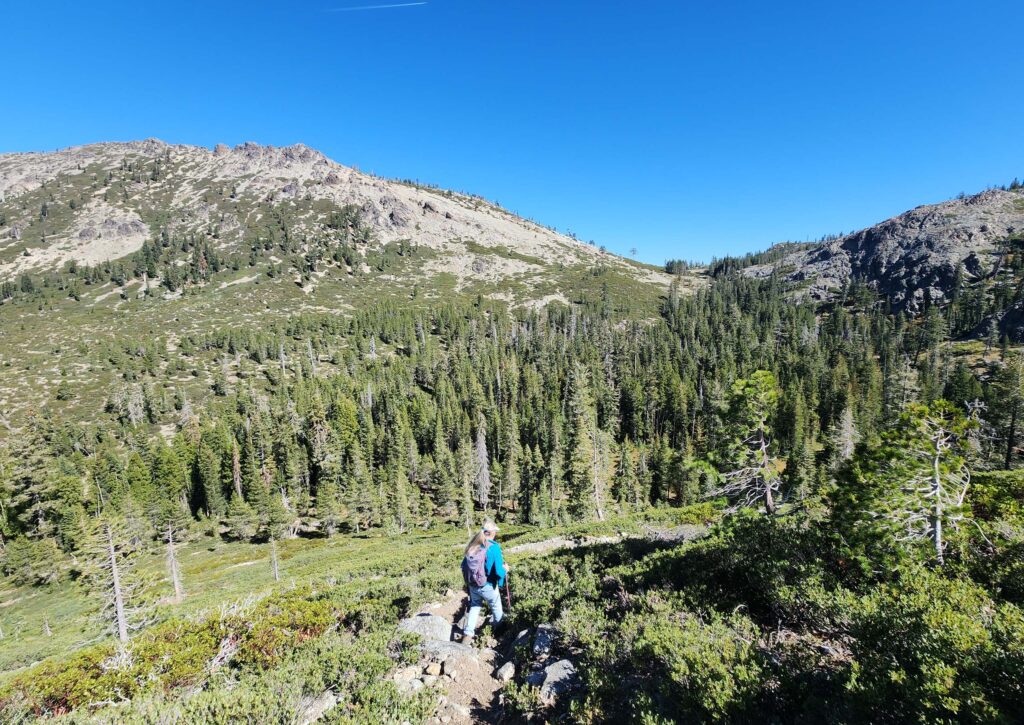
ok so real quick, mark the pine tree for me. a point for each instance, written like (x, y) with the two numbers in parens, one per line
(110, 558)
(170, 481)
(481, 466)
(511, 465)
(843, 437)
(901, 387)
(752, 470)
(274, 524)
(914, 488)
(465, 468)
(585, 470)
(360, 491)
(626, 489)
(208, 471)
(1008, 389)
(444, 479)
(329, 506)
(242, 521)
(7, 490)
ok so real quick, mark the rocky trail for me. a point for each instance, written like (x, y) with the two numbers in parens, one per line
(468, 679)
(465, 676)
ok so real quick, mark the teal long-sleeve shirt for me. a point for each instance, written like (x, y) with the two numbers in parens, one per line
(494, 565)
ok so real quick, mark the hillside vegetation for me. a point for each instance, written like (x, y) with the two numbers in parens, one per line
(111, 252)
(219, 443)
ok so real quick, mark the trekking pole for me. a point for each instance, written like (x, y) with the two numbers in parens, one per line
(508, 595)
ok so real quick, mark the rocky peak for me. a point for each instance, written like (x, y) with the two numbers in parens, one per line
(914, 255)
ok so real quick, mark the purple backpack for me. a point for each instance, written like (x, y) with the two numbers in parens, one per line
(474, 569)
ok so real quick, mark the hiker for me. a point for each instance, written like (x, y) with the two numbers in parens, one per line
(483, 570)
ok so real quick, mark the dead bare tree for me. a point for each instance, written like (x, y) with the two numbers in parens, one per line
(172, 565)
(110, 555)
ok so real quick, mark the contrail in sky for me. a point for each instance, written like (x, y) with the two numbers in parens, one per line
(376, 7)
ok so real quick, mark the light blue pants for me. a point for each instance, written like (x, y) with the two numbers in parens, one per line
(477, 596)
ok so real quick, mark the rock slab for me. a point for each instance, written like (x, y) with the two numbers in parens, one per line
(559, 678)
(428, 626)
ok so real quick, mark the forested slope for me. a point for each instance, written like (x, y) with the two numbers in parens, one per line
(865, 458)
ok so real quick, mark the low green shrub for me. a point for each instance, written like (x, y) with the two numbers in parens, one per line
(998, 495)
(933, 649)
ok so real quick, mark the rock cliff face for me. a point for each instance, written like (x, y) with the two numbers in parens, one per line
(915, 255)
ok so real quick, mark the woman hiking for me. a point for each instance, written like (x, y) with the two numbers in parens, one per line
(483, 570)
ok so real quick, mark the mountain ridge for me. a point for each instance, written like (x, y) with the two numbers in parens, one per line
(178, 194)
(912, 258)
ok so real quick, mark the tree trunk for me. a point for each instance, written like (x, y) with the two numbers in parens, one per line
(937, 513)
(1010, 436)
(115, 577)
(236, 469)
(273, 559)
(312, 357)
(766, 481)
(769, 501)
(172, 566)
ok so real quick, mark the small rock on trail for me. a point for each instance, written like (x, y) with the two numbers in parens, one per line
(506, 672)
(554, 680)
(543, 640)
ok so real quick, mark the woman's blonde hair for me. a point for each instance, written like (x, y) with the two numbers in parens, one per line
(480, 537)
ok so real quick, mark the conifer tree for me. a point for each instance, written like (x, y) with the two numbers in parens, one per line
(6, 496)
(465, 468)
(512, 451)
(914, 488)
(208, 471)
(1008, 390)
(752, 470)
(241, 519)
(445, 486)
(481, 466)
(330, 509)
(275, 520)
(585, 469)
(626, 489)
(110, 557)
(359, 491)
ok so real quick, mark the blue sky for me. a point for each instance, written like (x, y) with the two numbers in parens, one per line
(682, 129)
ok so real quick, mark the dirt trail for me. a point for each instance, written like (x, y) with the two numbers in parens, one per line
(469, 690)
(467, 678)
